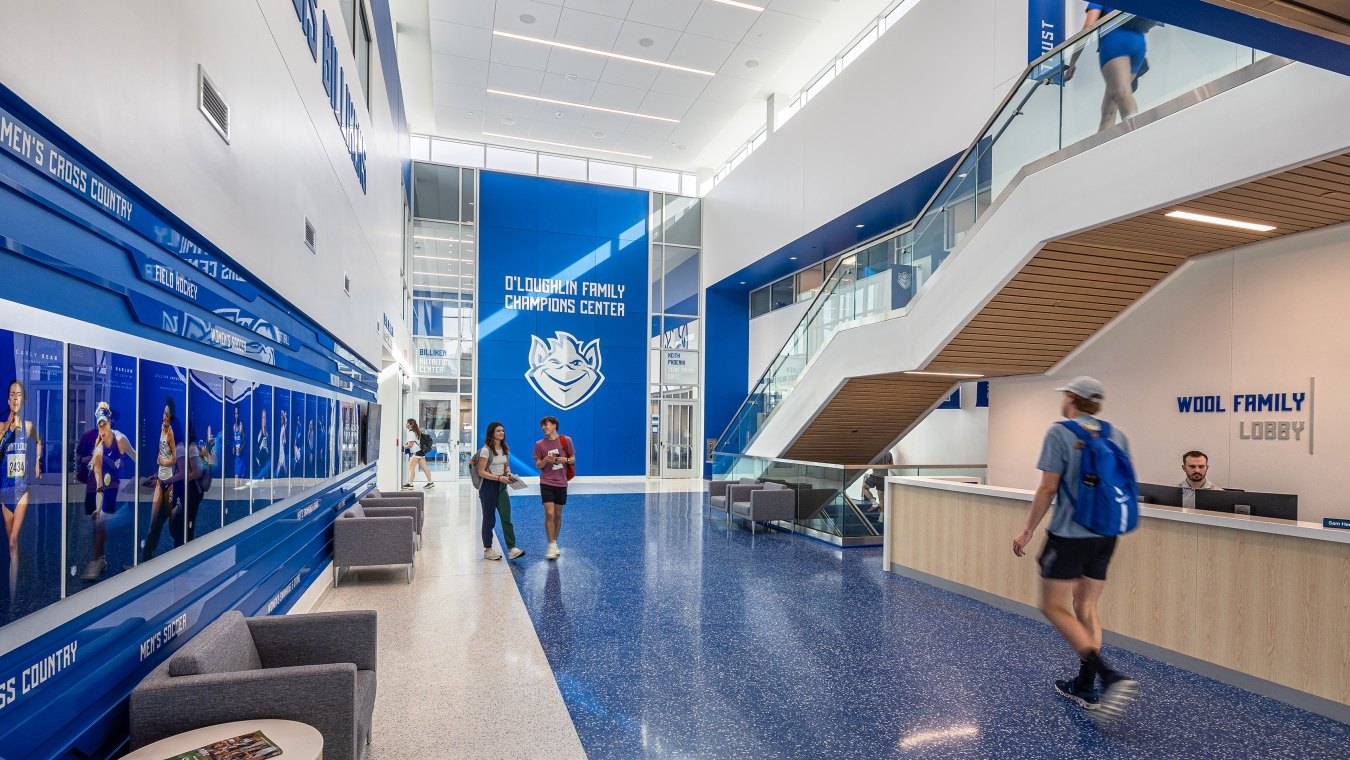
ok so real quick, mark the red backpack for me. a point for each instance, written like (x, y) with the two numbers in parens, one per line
(569, 469)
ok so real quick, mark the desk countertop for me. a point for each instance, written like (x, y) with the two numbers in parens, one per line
(1295, 528)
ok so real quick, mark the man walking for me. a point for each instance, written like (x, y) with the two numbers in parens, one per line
(556, 459)
(1086, 474)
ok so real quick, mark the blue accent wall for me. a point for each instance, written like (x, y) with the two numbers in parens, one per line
(552, 257)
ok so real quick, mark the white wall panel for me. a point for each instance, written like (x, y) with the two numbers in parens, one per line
(121, 78)
(768, 333)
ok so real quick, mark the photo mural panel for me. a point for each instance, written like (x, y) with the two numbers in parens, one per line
(264, 450)
(162, 404)
(101, 431)
(563, 301)
(203, 484)
(325, 438)
(237, 456)
(30, 482)
(299, 478)
(281, 436)
(311, 438)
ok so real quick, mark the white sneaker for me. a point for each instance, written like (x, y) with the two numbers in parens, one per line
(490, 553)
(94, 569)
(552, 552)
(516, 552)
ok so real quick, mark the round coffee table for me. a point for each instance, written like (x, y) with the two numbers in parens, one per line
(297, 740)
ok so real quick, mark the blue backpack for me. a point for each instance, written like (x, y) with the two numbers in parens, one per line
(1106, 497)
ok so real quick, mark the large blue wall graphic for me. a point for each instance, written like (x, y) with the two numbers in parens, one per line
(563, 289)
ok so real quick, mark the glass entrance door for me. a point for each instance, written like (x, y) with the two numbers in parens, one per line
(677, 451)
(439, 416)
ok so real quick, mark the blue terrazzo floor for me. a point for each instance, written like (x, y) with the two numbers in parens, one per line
(672, 636)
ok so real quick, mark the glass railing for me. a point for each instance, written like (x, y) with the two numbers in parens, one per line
(1063, 101)
(834, 501)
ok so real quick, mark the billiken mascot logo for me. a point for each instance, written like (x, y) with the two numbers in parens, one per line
(563, 371)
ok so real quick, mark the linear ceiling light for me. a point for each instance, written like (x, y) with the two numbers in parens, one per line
(1221, 221)
(565, 145)
(593, 51)
(944, 374)
(581, 105)
(747, 6)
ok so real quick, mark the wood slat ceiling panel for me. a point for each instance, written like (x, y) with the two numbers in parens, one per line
(1068, 291)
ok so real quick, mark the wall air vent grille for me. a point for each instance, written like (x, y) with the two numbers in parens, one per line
(212, 104)
(346, 284)
(310, 235)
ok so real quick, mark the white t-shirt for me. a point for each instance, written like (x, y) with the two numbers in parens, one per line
(496, 462)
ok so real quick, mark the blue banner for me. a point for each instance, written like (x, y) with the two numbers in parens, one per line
(563, 289)
(1045, 27)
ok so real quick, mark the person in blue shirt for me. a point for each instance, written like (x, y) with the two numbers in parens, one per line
(1121, 53)
(1074, 561)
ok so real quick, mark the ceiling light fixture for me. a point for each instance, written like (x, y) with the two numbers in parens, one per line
(564, 145)
(579, 105)
(944, 374)
(1252, 226)
(746, 6)
(859, 226)
(428, 237)
(593, 51)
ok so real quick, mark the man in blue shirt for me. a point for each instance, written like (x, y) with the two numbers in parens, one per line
(1074, 561)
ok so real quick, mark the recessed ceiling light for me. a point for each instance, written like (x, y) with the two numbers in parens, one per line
(646, 42)
(945, 374)
(508, 121)
(742, 282)
(746, 6)
(563, 145)
(593, 51)
(792, 258)
(527, 18)
(597, 134)
(752, 64)
(580, 105)
(1220, 221)
(558, 114)
(859, 226)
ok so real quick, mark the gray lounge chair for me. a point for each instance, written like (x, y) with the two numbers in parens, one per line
(718, 492)
(376, 536)
(317, 669)
(769, 501)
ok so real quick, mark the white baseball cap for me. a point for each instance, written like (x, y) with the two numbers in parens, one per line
(1086, 387)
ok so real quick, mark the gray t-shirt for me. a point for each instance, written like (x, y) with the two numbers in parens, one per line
(1062, 454)
(496, 462)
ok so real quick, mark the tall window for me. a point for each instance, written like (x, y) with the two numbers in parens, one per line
(442, 269)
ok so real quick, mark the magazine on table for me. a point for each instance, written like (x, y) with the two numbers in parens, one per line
(254, 746)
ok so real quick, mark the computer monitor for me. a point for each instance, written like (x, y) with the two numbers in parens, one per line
(1152, 493)
(1283, 506)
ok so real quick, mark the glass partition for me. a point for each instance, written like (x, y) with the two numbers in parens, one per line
(1062, 101)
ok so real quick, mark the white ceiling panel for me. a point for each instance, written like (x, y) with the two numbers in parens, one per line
(612, 8)
(779, 31)
(703, 53)
(669, 14)
(680, 83)
(588, 29)
(629, 74)
(515, 16)
(617, 96)
(723, 22)
(582, 65)
(467, 59)
(574, 89)
(526, 55)
(515, 79)
(659, 42)
(478, 13)
(452, 69)
(463, 41)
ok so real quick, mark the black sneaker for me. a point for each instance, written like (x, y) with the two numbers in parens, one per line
(407, 486)
(428, 486)
(1116, 695)
(1085, 698)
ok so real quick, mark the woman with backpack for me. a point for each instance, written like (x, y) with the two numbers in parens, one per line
(494, 470)
(418, 457)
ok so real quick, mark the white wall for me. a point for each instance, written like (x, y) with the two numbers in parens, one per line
(121, 78)
(1264, 318)
(915, 97)
(768, 333)
(948, 436)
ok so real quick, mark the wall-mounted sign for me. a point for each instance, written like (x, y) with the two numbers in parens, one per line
(679, 367)
(436, 357)
(1276, 416)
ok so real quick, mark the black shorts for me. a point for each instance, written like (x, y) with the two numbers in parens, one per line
(874, 481)
(553, 494)
(1068, 559)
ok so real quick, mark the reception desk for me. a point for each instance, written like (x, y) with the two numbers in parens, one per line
(1263, 598)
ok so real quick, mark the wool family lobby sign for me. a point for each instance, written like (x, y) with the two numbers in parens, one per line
(1269, 416)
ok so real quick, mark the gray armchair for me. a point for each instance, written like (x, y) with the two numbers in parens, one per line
(317, 669)
(376, 536)
(375, 493)
(719, 492)
(769, 501)
(374, 506)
